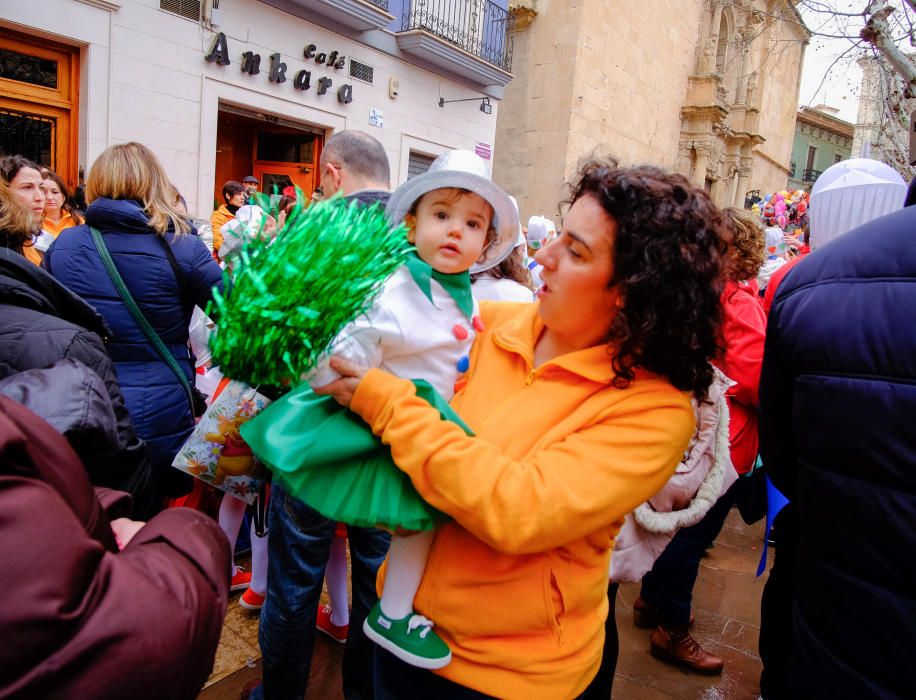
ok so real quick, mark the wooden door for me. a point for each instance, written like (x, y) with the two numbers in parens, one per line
(39, 93)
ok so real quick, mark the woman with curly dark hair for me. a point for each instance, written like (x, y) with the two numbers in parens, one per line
(580, 407)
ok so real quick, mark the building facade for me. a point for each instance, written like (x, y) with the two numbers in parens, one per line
(221, 89)
(884, 120)
(705, 87)
(821, 139)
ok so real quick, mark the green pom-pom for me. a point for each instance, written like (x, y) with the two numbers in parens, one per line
(287, 298)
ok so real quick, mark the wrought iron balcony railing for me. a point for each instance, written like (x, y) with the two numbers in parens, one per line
(381, 4)
(480, 27)
(810, 175)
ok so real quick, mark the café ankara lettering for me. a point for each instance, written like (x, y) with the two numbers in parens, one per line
(278, 72)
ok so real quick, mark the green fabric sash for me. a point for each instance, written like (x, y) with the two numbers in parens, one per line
(326, 456)
(458, 284)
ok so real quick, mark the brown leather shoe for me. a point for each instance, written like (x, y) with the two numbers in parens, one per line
(646, 616)
(674, 645)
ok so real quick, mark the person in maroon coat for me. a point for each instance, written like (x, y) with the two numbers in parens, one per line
(84, 619)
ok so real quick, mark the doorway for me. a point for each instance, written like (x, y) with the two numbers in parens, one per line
(39, 87)
(278, 152)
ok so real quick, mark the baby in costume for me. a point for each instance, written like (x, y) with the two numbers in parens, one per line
(420, 327)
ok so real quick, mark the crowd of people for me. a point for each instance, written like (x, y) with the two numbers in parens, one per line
(593, 403)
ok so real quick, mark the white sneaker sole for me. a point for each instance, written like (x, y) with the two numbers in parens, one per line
(405, 656)
(249, 606)
(330, 636)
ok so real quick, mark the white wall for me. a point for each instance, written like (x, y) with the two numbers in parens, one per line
(144, 78)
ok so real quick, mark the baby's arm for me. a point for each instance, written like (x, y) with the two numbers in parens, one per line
(363, 342)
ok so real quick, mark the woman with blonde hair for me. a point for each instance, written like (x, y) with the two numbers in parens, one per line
(133, 220)
(16, 222)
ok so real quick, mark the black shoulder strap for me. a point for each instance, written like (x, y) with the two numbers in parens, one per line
(170, 254)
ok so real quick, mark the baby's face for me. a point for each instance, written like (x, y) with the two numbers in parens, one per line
(451, 229)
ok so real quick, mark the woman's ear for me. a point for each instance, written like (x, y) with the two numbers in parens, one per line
(411, 221)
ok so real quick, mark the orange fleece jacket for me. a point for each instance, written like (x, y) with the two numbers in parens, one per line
(517, 583)
(218, 219)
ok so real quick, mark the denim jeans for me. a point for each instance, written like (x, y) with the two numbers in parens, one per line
(299, 541)
(669, 585)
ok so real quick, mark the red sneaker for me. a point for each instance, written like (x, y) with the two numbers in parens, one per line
(240, 581)
(251, 600)
(336, 632)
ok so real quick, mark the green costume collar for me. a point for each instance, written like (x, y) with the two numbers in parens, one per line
(458, 284)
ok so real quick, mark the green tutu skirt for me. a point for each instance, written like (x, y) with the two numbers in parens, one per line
(327, 457)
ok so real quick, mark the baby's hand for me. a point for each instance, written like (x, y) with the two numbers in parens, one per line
(343, 389)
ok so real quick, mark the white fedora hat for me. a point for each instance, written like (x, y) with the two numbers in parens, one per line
(467, 171)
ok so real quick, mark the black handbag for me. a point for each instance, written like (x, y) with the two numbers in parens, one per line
(751, 495)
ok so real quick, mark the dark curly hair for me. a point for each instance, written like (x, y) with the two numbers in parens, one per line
(669, 255)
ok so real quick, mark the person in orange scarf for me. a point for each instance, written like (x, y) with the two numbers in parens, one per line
(59, 213)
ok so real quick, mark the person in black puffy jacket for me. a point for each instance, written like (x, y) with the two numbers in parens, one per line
(43, 323)
(167, 271)
(838, 401)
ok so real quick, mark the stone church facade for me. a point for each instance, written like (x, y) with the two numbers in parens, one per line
(708, 88)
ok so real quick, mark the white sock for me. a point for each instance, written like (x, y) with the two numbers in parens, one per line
(406, 562)
(231, 513)
(335, 575)
(258, 561)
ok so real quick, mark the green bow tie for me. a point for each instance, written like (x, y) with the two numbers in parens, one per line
(458, 284)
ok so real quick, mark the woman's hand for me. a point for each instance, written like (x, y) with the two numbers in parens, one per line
(342, 389)
(124, 530)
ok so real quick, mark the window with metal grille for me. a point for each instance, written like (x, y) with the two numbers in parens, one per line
(418, 163)
(30, 135)
(184, 8)
(360, 71)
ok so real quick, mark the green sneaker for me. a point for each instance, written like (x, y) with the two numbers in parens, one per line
(411, 639)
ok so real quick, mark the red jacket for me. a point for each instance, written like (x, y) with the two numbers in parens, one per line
(82, 619)
(744, 332)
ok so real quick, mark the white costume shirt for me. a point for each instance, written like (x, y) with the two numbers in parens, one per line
(403, 333)
(492, 289)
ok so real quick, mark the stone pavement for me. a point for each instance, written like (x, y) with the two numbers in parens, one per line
(726, 604)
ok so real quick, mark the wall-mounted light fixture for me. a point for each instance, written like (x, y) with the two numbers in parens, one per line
(485, 105)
